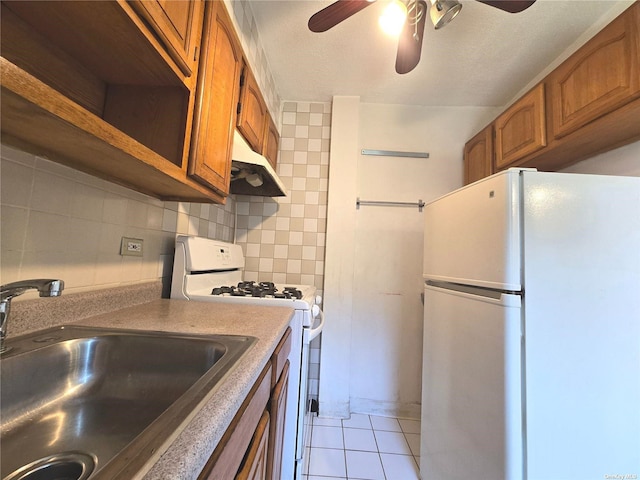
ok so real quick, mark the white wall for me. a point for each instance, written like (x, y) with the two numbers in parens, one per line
(371, 348)
(338, 274)
(621, 161)
(61, 223)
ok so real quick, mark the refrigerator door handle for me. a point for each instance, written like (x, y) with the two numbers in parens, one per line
(499, 297)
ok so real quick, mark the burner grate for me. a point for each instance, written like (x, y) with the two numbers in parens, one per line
(257, 289)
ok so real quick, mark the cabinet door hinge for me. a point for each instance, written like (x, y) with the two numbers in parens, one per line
(242, 78)
(239, 108)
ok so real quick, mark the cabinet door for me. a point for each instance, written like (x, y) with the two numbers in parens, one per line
(178, 23)
(478, 156)
(271, 141)
(230, 455)
(252, 111)
(278, 411)
(216, 101)
(521, 129)
(254, 465)
(600, 77)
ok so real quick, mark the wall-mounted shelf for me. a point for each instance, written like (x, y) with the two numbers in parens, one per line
(392, 153)
(377, 203)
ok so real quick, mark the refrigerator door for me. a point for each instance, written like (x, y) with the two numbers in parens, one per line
(471, 386)
(477, 239)
(582, 325)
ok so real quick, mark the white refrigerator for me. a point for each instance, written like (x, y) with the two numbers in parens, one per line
(531, 359)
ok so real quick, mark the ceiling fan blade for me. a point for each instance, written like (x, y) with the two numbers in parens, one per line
(511, 6)
(410, 42)
(335, 13)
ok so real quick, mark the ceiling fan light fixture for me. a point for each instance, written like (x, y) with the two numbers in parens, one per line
(393, 17)
(443, 11)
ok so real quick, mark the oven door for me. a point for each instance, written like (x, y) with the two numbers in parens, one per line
(304, 409)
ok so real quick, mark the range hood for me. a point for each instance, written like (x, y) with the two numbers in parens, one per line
(251, 173)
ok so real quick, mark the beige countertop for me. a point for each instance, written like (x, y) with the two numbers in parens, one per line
(183, 455)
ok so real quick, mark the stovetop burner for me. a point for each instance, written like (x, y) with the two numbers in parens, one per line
(258, 289)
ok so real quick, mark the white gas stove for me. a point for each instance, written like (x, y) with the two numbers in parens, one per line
(207, 270)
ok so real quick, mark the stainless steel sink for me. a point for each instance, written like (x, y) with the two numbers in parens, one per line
(80, 402)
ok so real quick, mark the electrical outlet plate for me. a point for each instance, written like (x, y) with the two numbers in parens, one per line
(131, 246)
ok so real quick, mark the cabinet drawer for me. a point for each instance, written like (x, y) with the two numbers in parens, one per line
(280, 355)
(227, 457)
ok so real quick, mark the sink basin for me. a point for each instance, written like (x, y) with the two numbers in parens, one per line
(80, 402)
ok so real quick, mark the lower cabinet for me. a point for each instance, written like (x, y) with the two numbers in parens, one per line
(251, 448)
(278, 404)
(254, 465)
(278, 412)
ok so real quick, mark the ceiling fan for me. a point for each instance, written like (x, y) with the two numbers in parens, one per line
(410, 39)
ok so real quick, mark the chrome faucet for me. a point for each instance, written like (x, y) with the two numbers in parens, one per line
(45, 287)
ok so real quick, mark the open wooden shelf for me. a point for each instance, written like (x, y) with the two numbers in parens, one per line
(88, 85)
(39, 119)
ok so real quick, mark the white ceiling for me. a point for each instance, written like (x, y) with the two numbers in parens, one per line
(484, 57)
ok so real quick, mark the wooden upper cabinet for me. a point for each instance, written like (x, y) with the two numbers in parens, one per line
(478, 156)
(252, 111)
(271, 141)
(216, 101)
(88, 85)
(178, 24)
(521, 129)
(600, 77)
(588, 105)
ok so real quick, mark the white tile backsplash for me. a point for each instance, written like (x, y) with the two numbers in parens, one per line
(61, 223)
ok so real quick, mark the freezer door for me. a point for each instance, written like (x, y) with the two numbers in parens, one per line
(472, 236)
(471, 387)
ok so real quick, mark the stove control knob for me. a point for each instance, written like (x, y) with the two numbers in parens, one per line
(315, 311)
(318, 300)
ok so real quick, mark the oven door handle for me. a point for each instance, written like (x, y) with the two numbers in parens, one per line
(314, 332)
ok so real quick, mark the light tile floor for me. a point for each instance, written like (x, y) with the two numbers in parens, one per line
(364, 447)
